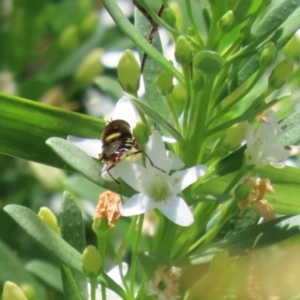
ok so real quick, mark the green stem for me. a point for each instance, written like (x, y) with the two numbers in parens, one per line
(157, 19)
(226, 109)
(121, 20)
(72, 282)
(187, 76)
(122, 247)
(192, 20)
(135, 250)
(226, 214)
(93, 283)
(173, 112)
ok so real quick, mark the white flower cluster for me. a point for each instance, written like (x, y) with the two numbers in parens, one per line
(156, 187)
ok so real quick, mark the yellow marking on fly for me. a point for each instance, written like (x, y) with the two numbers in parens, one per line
(113, 136)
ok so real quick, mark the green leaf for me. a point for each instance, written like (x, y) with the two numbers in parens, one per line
(52, 243)
(72, 231)
(13, 270)
(277, 16)
(26, 125)
(43, 235)
(258, 236)
(151, 68)
(291, 130)
(262, 235)
(46, 272)
(157, 118)
(84, 164)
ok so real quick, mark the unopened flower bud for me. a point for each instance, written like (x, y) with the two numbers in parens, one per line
(268, 55)
(129, 72)
(164, 82)
(69, 38)
(281, 73)
(177, 10)
(88, 24)
(242, 191)
(226, 22)
(183, 51)
(141, 133)
(48, 217)
(209, 62)
(91, 261)
(234, 136)
(29, 291)
(12, 292)
(89, 68)
(169, 16)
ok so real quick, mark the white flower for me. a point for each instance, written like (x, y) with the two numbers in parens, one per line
(262, 145)
(164, 284)
(124, 110)
(114, 274)
(156, 187)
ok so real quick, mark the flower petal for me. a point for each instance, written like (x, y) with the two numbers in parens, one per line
(130, 172)
(124, 110)
(136, 205)
(177, 211)
(155, 149)
(183, 179)
(90, 146)
(114, 273)
(175, 161)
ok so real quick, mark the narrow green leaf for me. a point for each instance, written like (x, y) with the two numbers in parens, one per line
(43, 235)
(26, 125)
(258, 236)
(53, 244)
(72, 231)
(277, 16)
(157, 118)
(291, 127)
(84, 164)
(262, 235)
(12, 269)
(46, 272)
(151, 68)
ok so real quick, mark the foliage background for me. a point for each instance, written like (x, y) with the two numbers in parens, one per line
(43, 52)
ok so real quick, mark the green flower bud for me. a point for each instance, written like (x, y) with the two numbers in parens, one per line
(89, 68)
(268, 55)
(164, 82)
(242, 192)
(129, 72)
(101, 228)
(226, 22)
(141, 134)
(12, 292)
(169, 16)
(47, 216)
(29, 291)
(183, 51)
(177, 10)
(292, 47)
(88, 25)
(281, 73)
(91, 261)
(234, 136)
(69, 38)
(209, 62)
